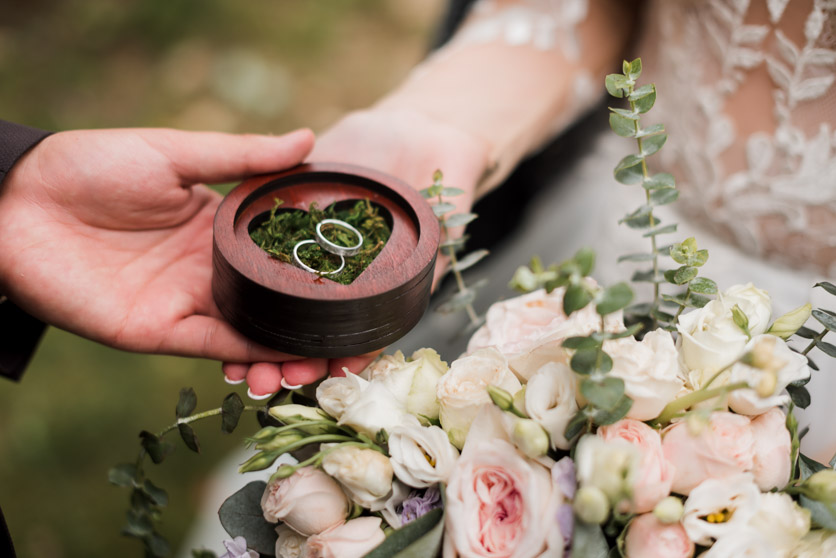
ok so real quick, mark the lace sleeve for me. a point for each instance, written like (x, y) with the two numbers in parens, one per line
(517, 72)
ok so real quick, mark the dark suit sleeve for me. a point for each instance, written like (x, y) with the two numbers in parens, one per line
(19, 332)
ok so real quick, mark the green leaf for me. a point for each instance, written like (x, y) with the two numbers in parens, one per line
(157, 545)
(646, 101)
(454, 243)
(664, 196)
(622, 125)
(122, 475)
(799, 395)
(615, 298)
(588, 541)
(158, 496)
(605, 394)
(585, 258)
(628, 114)
(587, 361)
(821, 514)
(241, 516)
(629, 170)
(470, 260)
(826, 348)
(640, 92)
(614, 84)
(651, 130)
(603, 417)
(581, 343)
(156, 448)
(659, 181)
(661, 230)
(459, 219)
(139, 524)
(827, 286)
(806, 332)
(189, 437)
(703, 285)
(637, 257)
(826, 318)
(576, 297)
(187, 403)
(417, 539)
(576, 425)
(652, 144)
(451, 192)
(635, 69)
(629, 332)
(646, 276)
(685, 274)
(432, 191)
(458, 301)
(231, 410)
(441, 208)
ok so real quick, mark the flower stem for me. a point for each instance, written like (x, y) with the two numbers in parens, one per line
(678, 405)
(815, 340)
(451, 253)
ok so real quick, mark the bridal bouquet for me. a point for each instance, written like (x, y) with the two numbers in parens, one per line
(576, 424)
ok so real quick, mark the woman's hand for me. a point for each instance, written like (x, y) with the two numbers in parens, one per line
(408, 146)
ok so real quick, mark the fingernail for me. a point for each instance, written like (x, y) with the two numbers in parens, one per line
(233, 382)
(285, 385)
(258, 397)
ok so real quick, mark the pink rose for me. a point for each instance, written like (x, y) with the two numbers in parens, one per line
(655, 475)
(724, 447)
(499, 503)
(529, 329)
(772, 450)
(309, 502)
(647, 537)
(354, 539)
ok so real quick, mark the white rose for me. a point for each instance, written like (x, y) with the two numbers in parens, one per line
(463, 390)
(785, 366)
(719, 507)
(373, 409)
(353, 539)
(650, 370)
(754, 302)
(819, 543)
(414, 384)
(334, 395)
(612, 466)
(421, 456)
(382, 365)
(743, 543)
(550, 400)
(530, 329)
(308, 501)
(365, 474)
(780, 521)
(290, 544)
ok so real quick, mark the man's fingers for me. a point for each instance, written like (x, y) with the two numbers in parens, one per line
(264, 378)
(207, 337)
(213, 157)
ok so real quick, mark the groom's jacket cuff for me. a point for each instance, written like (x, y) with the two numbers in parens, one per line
(19, 332)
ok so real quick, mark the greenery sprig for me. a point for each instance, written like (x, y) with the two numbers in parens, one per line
(451, 246)
(660, 189)
(148, 500)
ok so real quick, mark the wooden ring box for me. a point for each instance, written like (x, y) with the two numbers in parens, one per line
(286, 308)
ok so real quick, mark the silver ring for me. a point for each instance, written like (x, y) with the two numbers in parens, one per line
(308, 268)
(329, 246)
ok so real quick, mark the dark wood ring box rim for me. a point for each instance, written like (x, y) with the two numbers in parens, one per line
(287, 308)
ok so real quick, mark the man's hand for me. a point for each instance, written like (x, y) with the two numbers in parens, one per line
(108, 234)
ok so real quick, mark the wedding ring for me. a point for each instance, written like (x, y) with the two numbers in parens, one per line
(301, 264)
(329, 246)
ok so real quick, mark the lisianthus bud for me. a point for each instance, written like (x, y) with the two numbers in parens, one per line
(591, 505)
(767, 383)
(669, 510)
(501, 398)
(785, 326)
(280, 441)
(519, 400)
(822, 486)
(300, 414)
(530, 438)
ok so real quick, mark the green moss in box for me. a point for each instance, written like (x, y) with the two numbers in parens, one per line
(284, 228)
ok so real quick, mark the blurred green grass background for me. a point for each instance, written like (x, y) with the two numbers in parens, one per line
(257, 66)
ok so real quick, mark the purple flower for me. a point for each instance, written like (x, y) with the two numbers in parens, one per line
(237, 548)
(563, 474)
(418, 503)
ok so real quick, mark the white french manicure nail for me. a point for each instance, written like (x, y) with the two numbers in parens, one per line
(233, 382)
(258, 397)
(285, 385)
